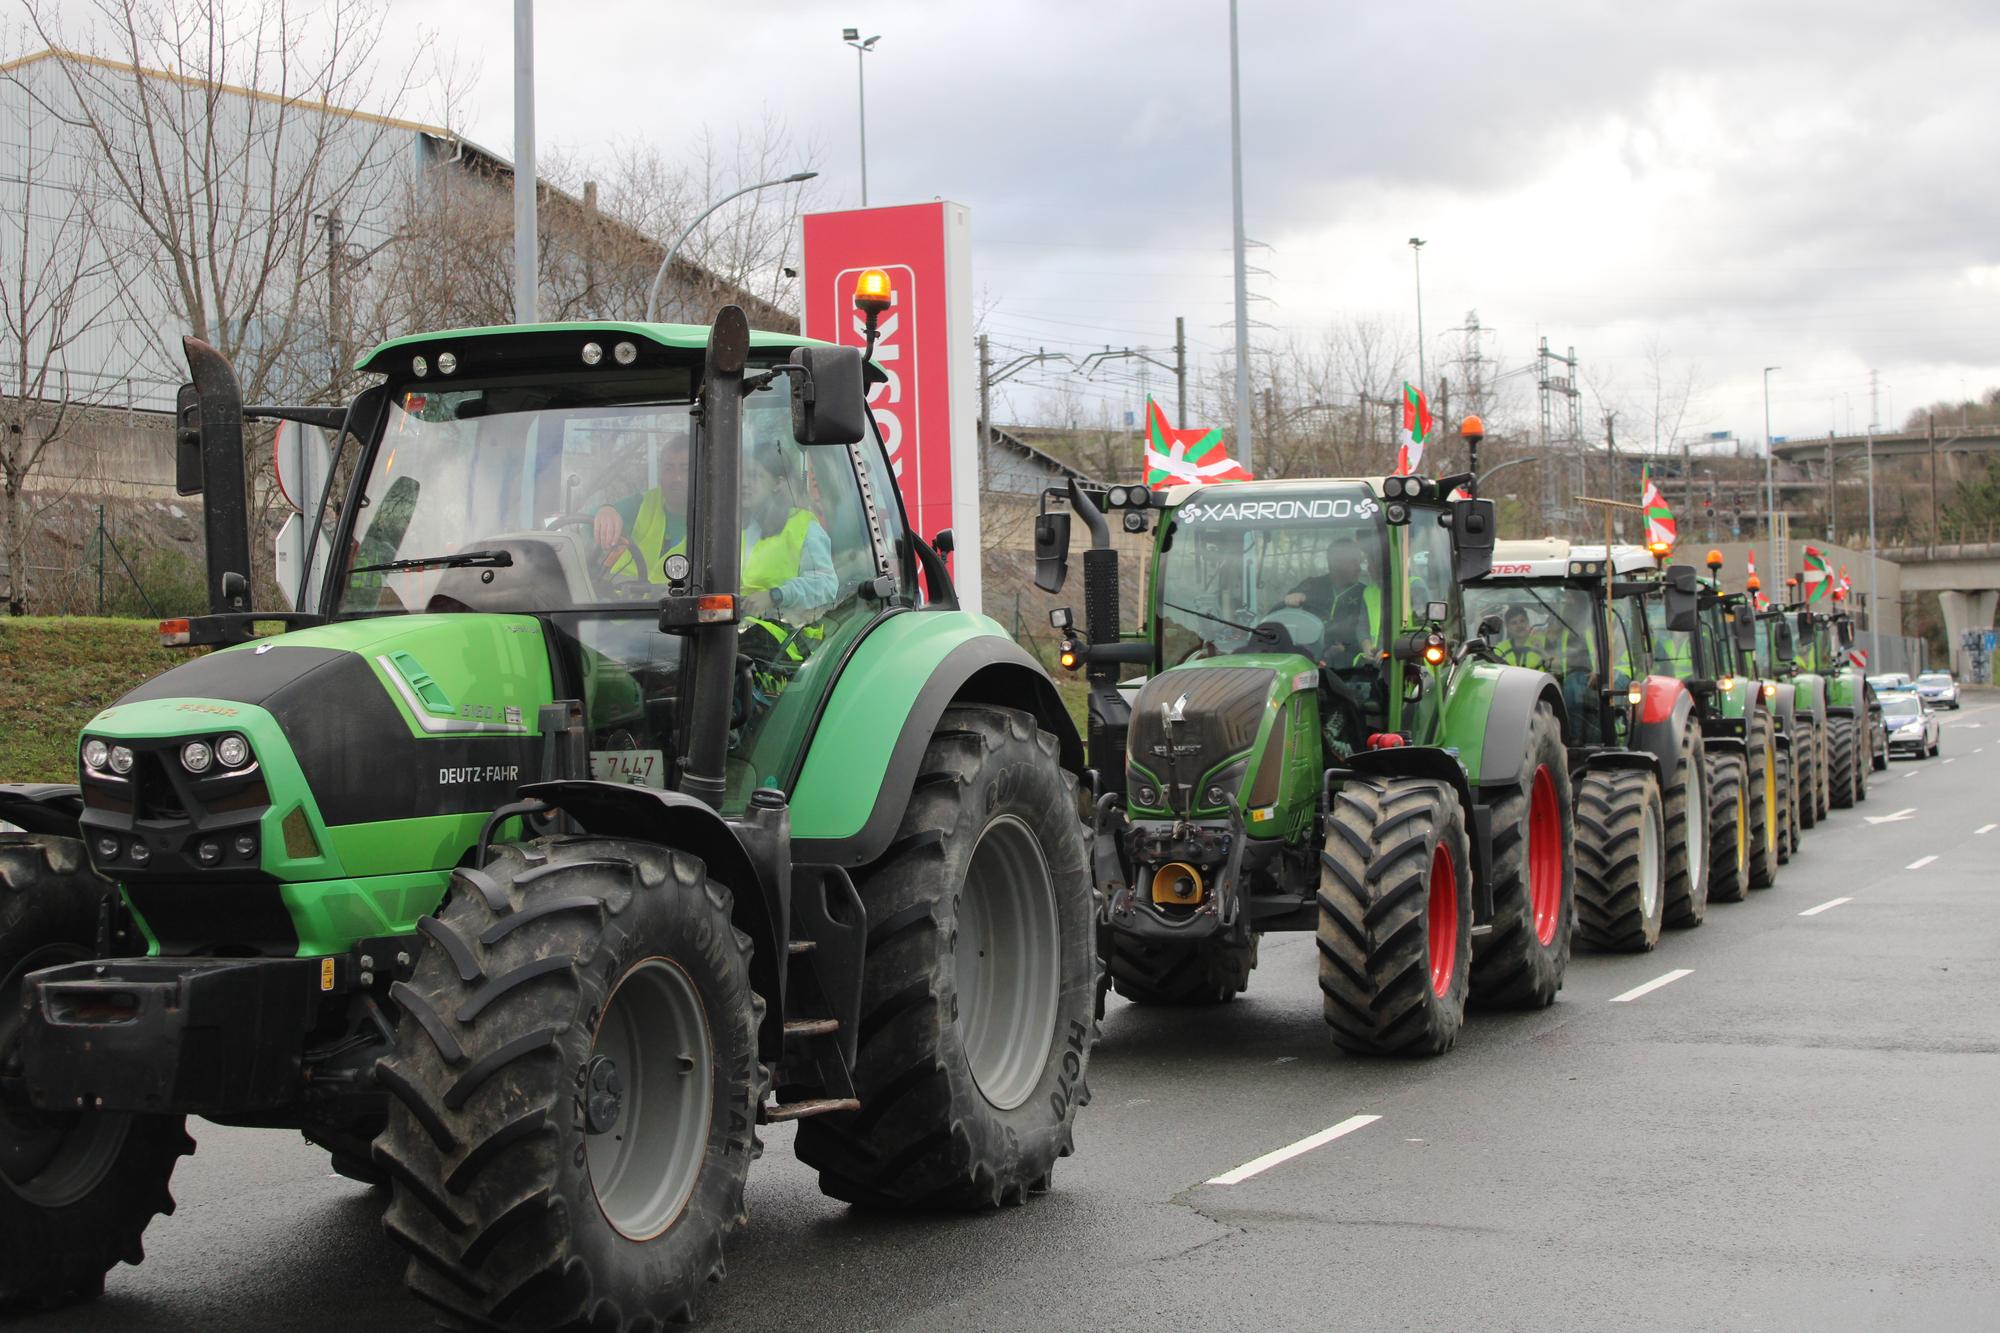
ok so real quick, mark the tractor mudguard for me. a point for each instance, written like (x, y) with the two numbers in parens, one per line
(1637, 761)
(1666, 711)
(761, 902)
(1508, 711)
(877, 721)
(42, 807)
(1426, 761)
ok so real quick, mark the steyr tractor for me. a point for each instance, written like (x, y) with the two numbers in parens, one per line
(1635, 748)
(1698, 635)
(545, 857)
(1319, 747)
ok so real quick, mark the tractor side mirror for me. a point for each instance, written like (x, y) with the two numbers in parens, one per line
(1805, 625)
(1745, 630)
(1051, 550)
(1782, 641)
(944, 543)
(1473, 524)
(829, 401)
(1845, 630)
(1491, 628)
(187, 441)
(1682, 598)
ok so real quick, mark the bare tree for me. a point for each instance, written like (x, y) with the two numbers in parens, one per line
(50, 297)
(234, 145)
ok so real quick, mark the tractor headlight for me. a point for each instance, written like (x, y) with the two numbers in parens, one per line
(121, 759)
(196, 756)
(624, 353)
(447, 363)
(96, 754)
(1634, 693)
(419, 367)
(232, 751)
(1770, 690)
(1725, 683)
(592, 354)
(1148, 796)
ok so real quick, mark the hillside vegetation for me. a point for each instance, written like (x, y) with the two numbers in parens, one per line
(56, 672)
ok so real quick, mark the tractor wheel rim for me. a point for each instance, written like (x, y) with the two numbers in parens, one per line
(654, 1053)
(1008, 950)
(51, 1159)
(1770, 794)
(1545, 849)
(1696, 801)
(1441, 920)
(1650, 870)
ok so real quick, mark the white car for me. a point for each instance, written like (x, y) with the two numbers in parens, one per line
(1912, 726)
(1938, 689)
(1892, 680)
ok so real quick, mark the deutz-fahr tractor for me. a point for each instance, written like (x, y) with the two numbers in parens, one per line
(1319, 747)
(1635, 748)
(1698, 635)
(545, 858)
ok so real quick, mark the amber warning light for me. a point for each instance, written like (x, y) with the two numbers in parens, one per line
(872, 292)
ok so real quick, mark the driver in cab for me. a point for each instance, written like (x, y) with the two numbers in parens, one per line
(1350, 606)
(1518, 648)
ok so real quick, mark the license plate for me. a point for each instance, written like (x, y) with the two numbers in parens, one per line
(640, 768)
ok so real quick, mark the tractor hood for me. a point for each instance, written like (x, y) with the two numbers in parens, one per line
(1213, 735)
(366, 753)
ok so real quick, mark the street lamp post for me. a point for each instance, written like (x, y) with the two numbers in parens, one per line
(1242, 264)
(1417, 257)
(1770, 484)
(853, 38)
(653, 297)
(1874, 574)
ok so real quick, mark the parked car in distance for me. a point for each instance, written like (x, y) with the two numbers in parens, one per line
(1891, 680)
(1938, 689)
(1913, 726)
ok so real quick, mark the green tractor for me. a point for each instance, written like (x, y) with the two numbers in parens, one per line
(546, 858)
(1318, 746)
(1855, 743)
(1699, 635)
(1802, 705)
(1634, 738)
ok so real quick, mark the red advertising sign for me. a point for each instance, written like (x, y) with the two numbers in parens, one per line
(927, 409)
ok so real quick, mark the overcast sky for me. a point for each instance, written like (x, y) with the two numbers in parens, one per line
(1751, 183)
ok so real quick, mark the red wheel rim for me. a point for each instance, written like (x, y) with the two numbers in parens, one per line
(1442, 920)
(1545, 868)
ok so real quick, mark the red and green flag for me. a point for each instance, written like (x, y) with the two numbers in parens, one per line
(1417, 425)
(1192, 457)
(1815, 574)
(1661, 530)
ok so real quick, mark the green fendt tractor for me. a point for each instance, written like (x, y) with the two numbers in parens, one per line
(1318, 747)
(1698, 636)
(605, 805)
(1635, 746)
(1826, 640)
(1804, 692)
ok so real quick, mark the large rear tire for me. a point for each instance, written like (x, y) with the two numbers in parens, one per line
(1766, 804)
(1395, 918)
(1620, 860)
(980, 982)
(573, 1090)
(1843, 760)
(1788, 807)
(1520, 963)
(1805, 771)
(1148, 971)
(1728, 829)
(1687, 809)
(77, 1189)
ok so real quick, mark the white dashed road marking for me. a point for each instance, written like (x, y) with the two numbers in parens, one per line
(1652, 985)
(1257, 1165)
(1986, 828)
(1920, 863)
(1825, 907)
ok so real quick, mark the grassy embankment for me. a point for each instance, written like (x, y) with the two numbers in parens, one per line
(56, 672)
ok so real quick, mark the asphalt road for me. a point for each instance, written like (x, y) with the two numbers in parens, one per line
(1798, 1130)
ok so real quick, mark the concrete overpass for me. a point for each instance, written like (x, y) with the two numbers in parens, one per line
(1958, 450)
(1966, 578)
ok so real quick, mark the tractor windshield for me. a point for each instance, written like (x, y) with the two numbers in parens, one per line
(1246, 569)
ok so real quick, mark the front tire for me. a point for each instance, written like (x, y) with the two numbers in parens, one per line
(1620, 860)
(1843, 762)
(1395, 918)
(1166, 972)
(1766, 810)
(980, 982)
(77, 1189)
(1687, 810)
(1728, 830)
(573, 1089)
(1520, 964)
(1805, 772)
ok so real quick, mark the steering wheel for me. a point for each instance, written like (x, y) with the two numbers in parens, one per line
(1305, 633)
